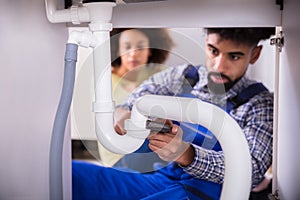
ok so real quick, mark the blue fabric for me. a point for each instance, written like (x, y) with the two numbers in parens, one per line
(245, 95)
(92, 182)
(204, 137)
(144, 148)
(142, 160)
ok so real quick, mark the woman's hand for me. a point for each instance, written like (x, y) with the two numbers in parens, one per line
(171, 147)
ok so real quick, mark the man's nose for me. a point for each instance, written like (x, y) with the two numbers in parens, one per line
(220, 63)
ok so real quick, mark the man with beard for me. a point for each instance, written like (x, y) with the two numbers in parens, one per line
(196, 169)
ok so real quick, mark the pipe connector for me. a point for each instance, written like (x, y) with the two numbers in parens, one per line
(75, 14)
(136, 129)
(136, 125)
(100, 26)
(100, 12)
(104, 107)
(83, 38)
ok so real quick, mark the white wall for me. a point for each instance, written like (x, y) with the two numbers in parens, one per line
(189, 46)
(264, 69)
(197, 13)
(32, 58)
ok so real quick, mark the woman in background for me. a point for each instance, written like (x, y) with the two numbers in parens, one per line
(136, 54)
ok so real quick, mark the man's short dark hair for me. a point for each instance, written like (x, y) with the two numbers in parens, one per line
(248, 36)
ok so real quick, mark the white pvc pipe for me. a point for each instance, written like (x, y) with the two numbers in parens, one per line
(99, 14)
(75, 14)
(103, 105)
(237, 178)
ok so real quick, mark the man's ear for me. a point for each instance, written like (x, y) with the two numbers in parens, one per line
(255, 54)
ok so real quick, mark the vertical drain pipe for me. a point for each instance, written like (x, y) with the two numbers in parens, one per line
(56, 149)
(100, 26)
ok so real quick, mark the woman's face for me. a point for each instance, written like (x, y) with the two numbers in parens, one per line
(133, 49)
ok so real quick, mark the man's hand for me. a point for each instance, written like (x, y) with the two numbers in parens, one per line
(120, 116)
(170, 147)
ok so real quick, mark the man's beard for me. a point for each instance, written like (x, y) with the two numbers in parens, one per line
(219, 88)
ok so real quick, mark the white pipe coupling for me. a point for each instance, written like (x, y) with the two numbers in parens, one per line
(75, 14)
(83, 38)
(100, 26)
(104, 107)
(98, 12)
(136, 129)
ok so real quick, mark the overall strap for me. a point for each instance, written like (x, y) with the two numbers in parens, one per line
(191, 78)
(245, 96)
(195, 133)
(191, 75)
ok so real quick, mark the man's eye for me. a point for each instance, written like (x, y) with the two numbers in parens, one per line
(233, 57)
(213, 51)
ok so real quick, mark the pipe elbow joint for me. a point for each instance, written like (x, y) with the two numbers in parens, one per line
(83, 38)
(120, 144)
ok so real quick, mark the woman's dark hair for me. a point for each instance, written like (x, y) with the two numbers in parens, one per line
(160, 43)
(248, 36)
